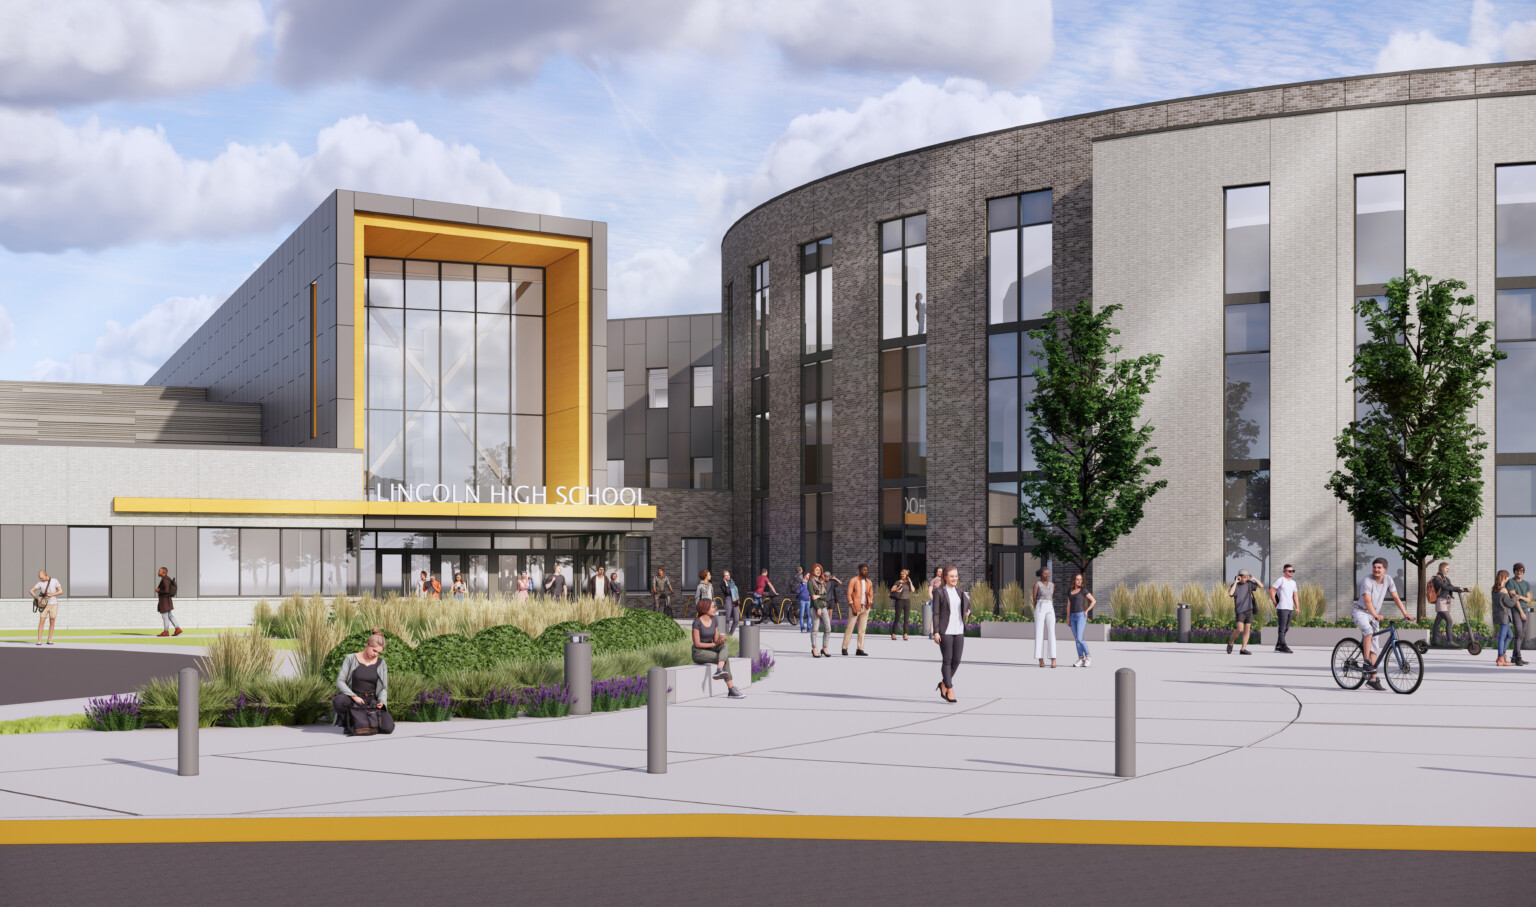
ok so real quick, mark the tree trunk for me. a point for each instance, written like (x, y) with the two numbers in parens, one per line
(1423, 588)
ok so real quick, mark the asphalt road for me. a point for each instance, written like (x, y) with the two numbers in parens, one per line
(639, 873)
(33, 673)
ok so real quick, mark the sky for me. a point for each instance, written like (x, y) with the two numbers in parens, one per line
(154, 152)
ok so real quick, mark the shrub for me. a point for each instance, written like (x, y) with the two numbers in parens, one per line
(1193, 595)
(1221, 602)
(619, 693)
(115, 713)
(158, 701)
(434, 704)
(247, 711)
(982, 599)
(503, 643)
(1311, 602)
(1013, 599)
(1122, 603)
(551, 643)
(405, 688)
(1266, 607)
(551, 700)
(397, 652)
(1475, 607)
(449, 652)
(1144, 601)
(298, 700)
(239, 658)
(43, 724)
(315, 634)
(882, 596)
(664, 628)
(1166, 602)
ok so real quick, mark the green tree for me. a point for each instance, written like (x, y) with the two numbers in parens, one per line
(1090, 485)
(1412, 475)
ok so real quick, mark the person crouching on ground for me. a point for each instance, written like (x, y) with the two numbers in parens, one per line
(364, 684)
(710, 645)
(167, 605)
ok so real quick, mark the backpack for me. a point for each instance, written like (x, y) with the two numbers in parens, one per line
(171, 586)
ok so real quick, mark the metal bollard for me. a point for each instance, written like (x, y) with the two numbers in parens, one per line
(1125, 723)
(750, 641)
(1183, 623)
(578, 672)
(186, 721)
(928, 618)
(656, 721)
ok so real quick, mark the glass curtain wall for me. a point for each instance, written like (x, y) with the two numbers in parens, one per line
(903, 396)
(1247, 386)
(455, 377)
(1019, 296)
(816, 387)
(1380, 239)
(1515, 326)
(279, 562)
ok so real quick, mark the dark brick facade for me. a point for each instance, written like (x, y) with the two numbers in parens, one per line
(952, 183)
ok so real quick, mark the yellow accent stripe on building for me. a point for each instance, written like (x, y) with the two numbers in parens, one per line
(823, 828)
(250, 506)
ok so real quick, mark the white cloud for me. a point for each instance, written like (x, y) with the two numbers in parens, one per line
(130, 355)
(1486, 43)
(474, 43)
(662, 282)
(62, 51)
(1121, 51)
(90, 187)
(911, 115)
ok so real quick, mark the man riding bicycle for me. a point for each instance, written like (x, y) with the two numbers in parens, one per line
(1374, 590)
(763, 584)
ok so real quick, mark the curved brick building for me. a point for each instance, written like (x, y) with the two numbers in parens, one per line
(874, 318)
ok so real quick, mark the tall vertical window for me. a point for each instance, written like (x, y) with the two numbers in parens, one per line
(703, 385)
(760, 460)
(1380, 240)
(1019, 257)
(760, 315)
(455, 387)
(816, 534)
(904, 277)
(904, 413)
(703, 472)
(656, 387)
(314, 361)
(1019, 296)
(816, 273)
(1515, 329)
(816, 393)
(1246, 388)
(615, 391)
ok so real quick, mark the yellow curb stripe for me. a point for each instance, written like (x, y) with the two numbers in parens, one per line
(846, 828)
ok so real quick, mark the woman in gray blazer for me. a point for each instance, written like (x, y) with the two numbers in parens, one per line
(363, 682)
(951, 607)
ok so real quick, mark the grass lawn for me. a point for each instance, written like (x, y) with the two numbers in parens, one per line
(130, 637)
(44, 723)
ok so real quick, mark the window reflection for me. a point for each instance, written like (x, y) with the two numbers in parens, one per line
(1247, 240)
(1515, 220)
(1378, 228)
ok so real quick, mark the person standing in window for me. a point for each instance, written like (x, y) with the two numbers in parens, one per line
(1080, 604)
(705, 592)
(901, 604)
(524, 586)
(554, 584)
(423, 586)
(1242, 591)
(616, 586)
(167, 604)
(1045, 615)
(821, 617)
(597, 586)
(951, 607)
(46, 594)
(1283, 594)
(861, 600)
(661, 592)
(922, 315)
(459, 589)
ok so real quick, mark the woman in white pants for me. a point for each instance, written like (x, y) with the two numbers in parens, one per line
(1042, 600)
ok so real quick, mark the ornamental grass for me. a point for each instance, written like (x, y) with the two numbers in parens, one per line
(1122, 603)
(239, 658)
(1311, 602)
(1014, 602)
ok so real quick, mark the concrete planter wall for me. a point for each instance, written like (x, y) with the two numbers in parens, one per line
(997, 629)
(687, 684)
(1329, 637)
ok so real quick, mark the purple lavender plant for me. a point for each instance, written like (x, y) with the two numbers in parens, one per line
(115, 713)
(434, 704)
(547, 700)
(500, 703)
(762, 666)
(247, 711)
(619, 693)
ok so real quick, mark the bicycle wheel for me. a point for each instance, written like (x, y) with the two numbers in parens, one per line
(1404, 668)
(1348, 670)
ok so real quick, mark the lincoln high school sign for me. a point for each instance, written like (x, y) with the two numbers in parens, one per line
(514, 494)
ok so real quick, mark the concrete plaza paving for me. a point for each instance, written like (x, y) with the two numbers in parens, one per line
(1263, 738)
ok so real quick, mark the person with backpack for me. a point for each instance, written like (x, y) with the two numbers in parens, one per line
(165, 590)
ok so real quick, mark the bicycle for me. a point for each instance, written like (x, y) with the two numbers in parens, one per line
(1398, 661)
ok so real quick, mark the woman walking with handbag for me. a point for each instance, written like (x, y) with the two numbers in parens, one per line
(820, 615)
(1045, 615)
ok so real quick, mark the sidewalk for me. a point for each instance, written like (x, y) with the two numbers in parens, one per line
(1265, 738)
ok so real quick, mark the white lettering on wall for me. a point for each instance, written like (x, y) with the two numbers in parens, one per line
(568, 495)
